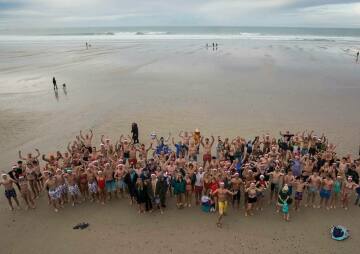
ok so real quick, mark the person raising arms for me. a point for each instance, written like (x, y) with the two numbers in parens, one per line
(207, 149)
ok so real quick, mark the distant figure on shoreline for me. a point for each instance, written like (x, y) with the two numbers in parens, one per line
(87, 45)
(54, 83)
(64, 88)
(357, 57)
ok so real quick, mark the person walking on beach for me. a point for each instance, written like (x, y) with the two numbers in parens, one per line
(222, 201)
(10, 192)
(357, 56)
(54, 83)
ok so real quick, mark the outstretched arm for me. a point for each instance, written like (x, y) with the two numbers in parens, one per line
(167, 140)
(38, 153)
(81, 136)
(68, 148)
(20, 157)
(45, 159)
(150, 147)
(212, 140)
(102, 139)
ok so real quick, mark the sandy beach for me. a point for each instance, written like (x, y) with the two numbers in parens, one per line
(246, 88)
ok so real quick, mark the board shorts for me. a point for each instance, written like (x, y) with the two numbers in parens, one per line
(193, 157)
(222, 207)
(110, 186)
(62, 189)
(10, 193)
(290, 190)
(207, 157)
(312, 189)
(298, 195)
(198, 189)
(54, 194)
(325, 193)
(260, 194)
(237, 196)
(304, 151)
(74, 190)
(120, 184)
(252, 200)
(93, 188)
(132, 161)
(274, 187)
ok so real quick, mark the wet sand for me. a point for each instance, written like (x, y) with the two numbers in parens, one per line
(244, 88)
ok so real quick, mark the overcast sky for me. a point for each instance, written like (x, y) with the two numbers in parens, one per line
(58, 13)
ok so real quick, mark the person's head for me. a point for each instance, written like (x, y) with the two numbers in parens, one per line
(285, 189)
(262, 177)
(236, 175)
(4, 177)
(207, 140)
(350, 179)
(20, 163)
(252, 185)
(222, 185)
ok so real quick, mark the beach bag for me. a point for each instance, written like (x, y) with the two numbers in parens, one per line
(339, 233)
(285, 208)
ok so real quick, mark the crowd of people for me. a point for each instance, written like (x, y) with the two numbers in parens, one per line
(243, 173)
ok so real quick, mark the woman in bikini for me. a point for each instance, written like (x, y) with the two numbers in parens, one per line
(31, 177)
(188, 193)
(336, 192)
(26, 193)
(101, 186)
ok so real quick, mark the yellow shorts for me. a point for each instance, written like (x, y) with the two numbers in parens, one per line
(222, 207)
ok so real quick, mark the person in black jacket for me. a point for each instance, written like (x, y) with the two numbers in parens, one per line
(141, 195)
(160, 192)
(135, 133)
(130, 179)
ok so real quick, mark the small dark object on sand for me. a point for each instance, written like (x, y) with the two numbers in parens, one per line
(81, 225)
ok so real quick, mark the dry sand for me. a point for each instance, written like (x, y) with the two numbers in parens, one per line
(245, 88)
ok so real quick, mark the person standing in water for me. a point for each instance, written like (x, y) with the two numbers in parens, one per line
(54, 83)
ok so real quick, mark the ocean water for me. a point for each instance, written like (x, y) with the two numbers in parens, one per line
(154, 33)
